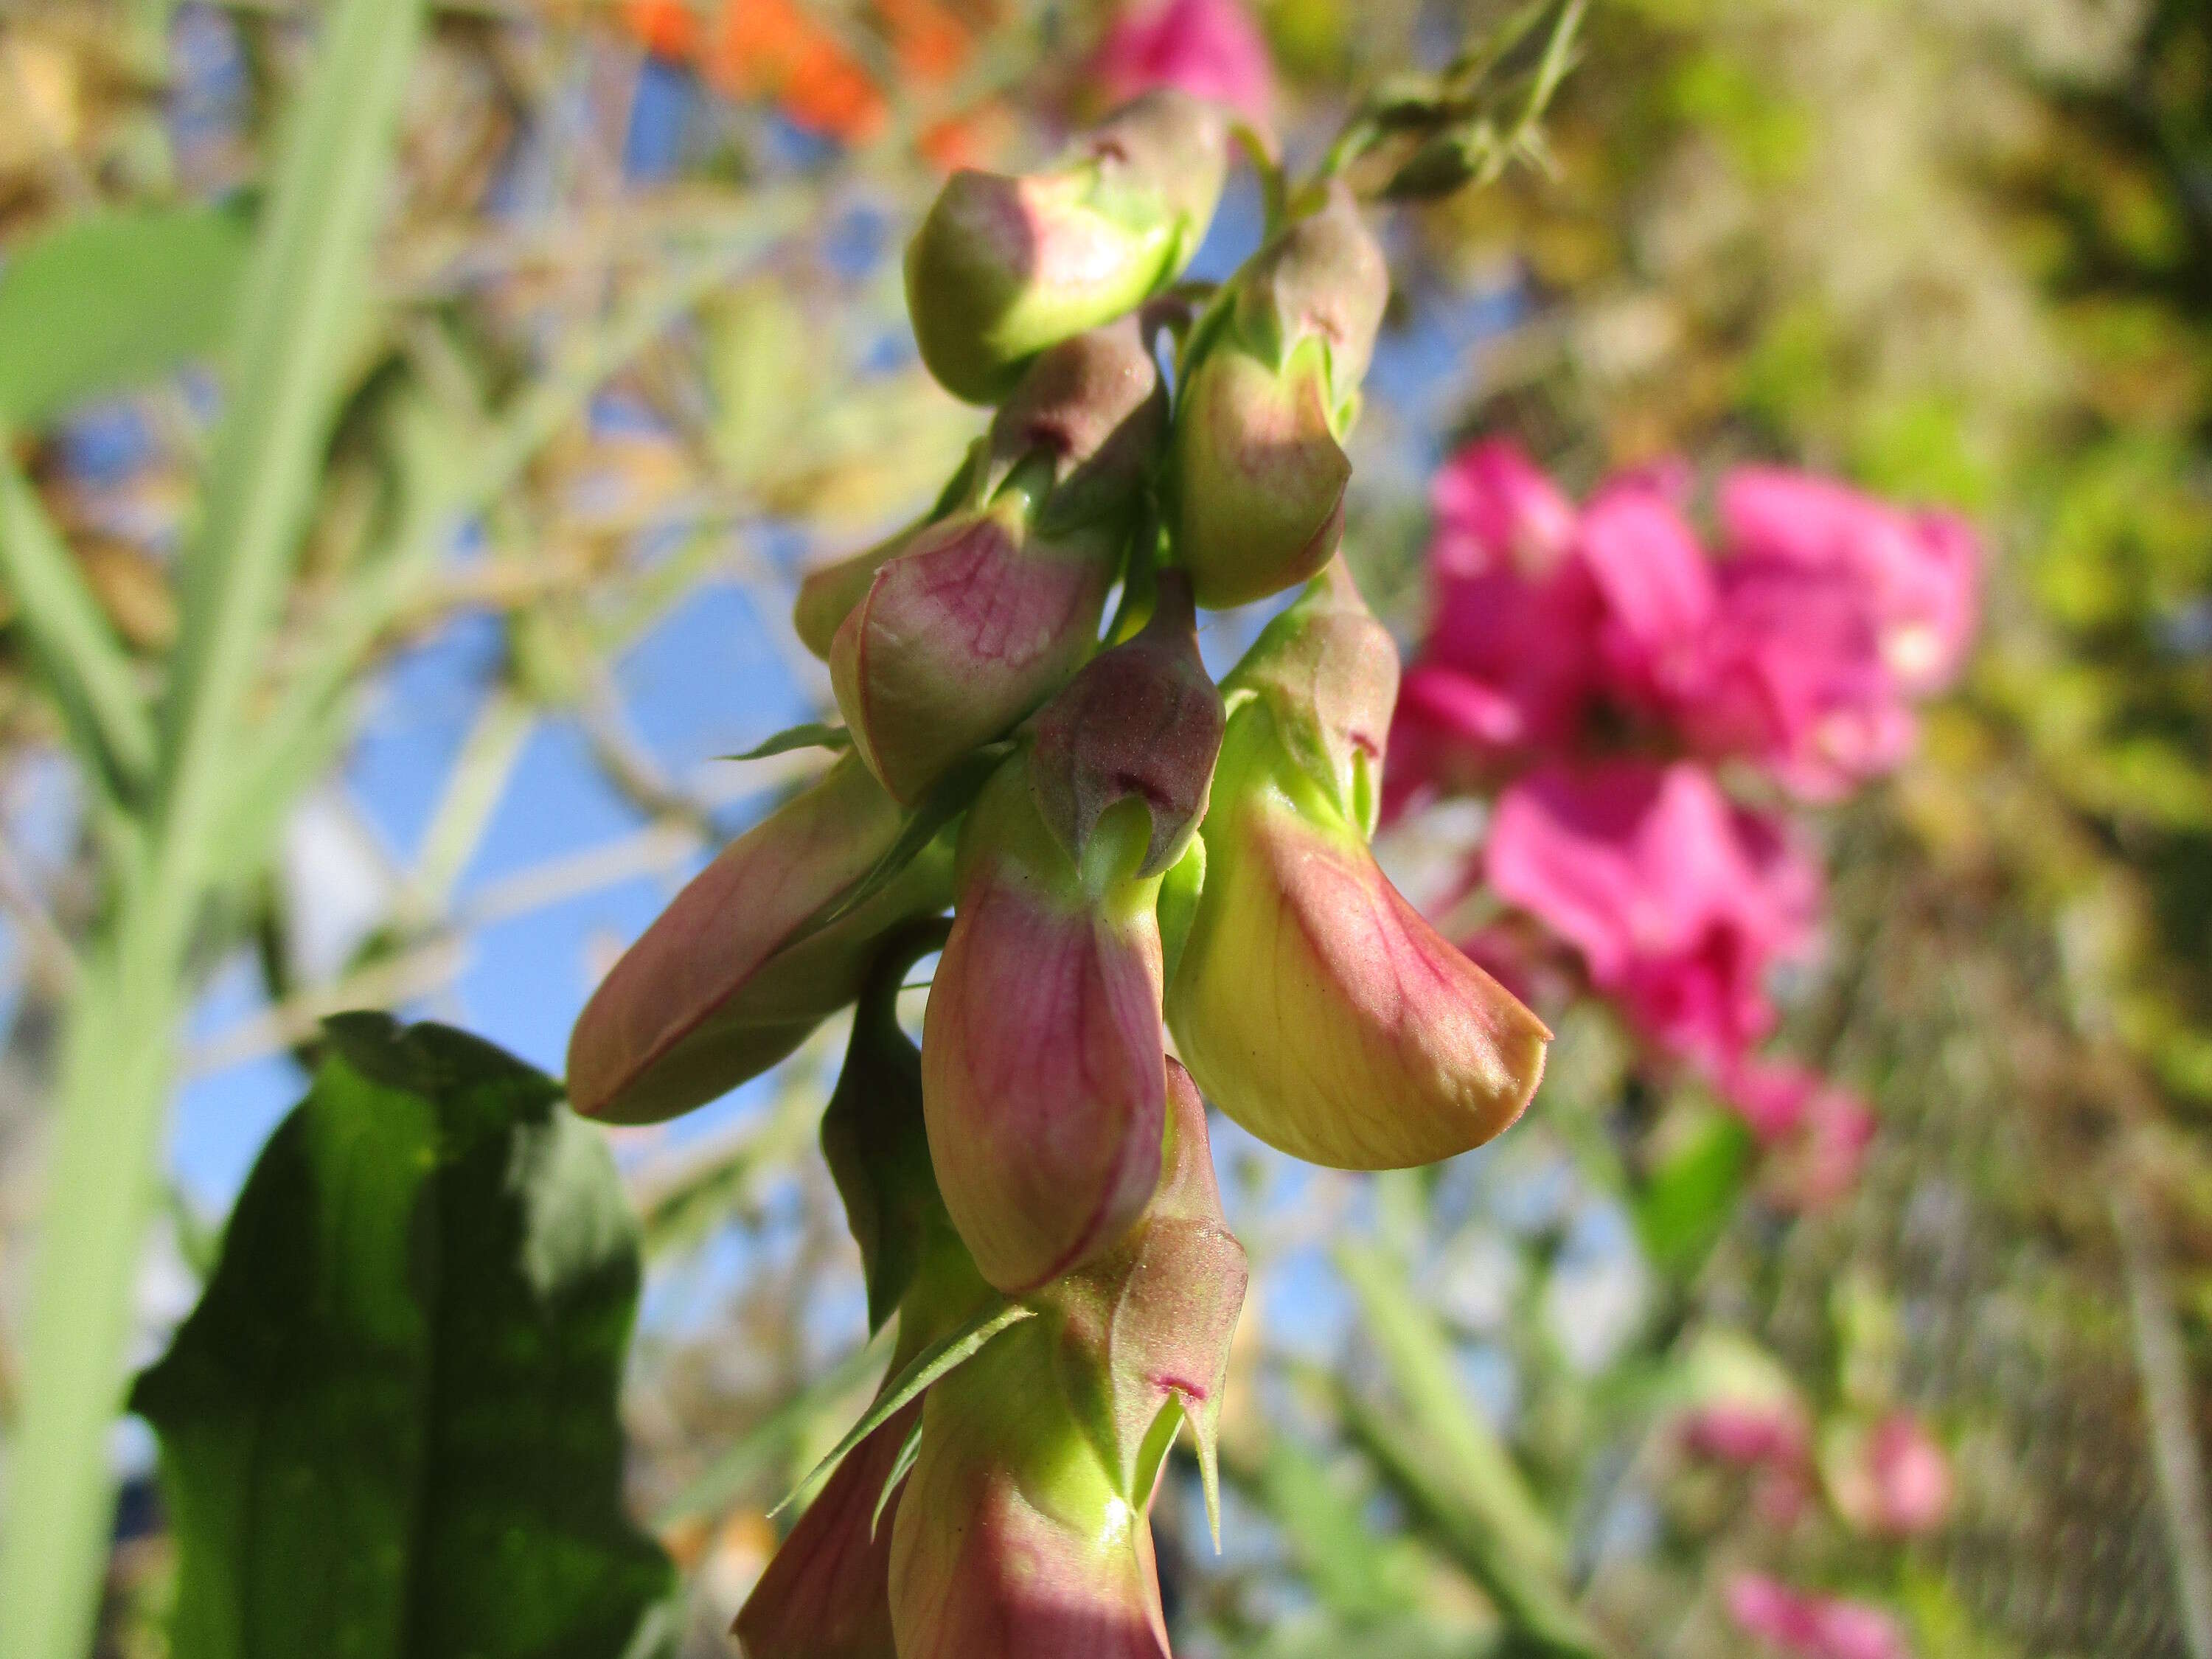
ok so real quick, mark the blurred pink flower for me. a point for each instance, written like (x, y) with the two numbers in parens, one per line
(1790, 676)
(1808, 1627)
(1894, 1479)
(1817, 1131)
(1679, 900)
(1511, 657)
(1746, 1434)
(1799, 652)
(1212, 49)
(1655, 585)
(1917, 570)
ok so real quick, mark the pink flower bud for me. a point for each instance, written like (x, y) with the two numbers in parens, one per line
(1892, 1479)
(1141, 723)
(826, 1592)
(734, 974)
(1210, 49)
(1269, 390)
(1313, 1004)
(1003, 267)
(1807, 1626)
(969, 625)
(1043, 1070)
(1023, 1530)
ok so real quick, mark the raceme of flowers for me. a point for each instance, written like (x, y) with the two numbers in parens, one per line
(1126, 850)
(1597, 675)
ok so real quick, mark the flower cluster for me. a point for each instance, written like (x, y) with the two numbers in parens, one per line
(1597, 674)
(1126, 849)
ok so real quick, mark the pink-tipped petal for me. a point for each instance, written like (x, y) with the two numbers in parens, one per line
(1043, 1072)
(826, 1592)
(729, 979)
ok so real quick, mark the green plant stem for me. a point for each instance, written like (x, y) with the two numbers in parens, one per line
(120, 1051)
(79, 654)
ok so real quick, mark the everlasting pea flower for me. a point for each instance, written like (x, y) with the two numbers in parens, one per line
(1792, 676)
(1543, 615)
(1003, 267)
(1270, 387)
(1210, 49)
(736, 972)
(1022, 1529)
(1807, 1626)
(1815, 1131)
(1917, 570)
(1678, 901)
(1893, 1477)
(1313, 1004)
(970, 622)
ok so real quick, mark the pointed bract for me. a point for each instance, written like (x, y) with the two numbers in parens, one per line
(1010, 1541)
(1146, 1327)
(735, 973)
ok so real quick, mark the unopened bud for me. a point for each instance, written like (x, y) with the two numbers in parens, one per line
(1142, 722)
(978, 618)
(1260, 470)
(1044, 1063)
(1024, 1530)
(1313, 1004)
(1003, 266)
(747, 960)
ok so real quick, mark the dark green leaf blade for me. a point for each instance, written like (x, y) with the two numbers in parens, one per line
(114, 300)
(389, 1427)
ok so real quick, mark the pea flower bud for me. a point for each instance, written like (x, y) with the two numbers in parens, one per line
(1142, 722)
(1023, 1528)
(826, 1593)
(967, 627)
(1259, 467)
(742, 965)
(1313, 1004)
(1044, 1065)
(1003, 266)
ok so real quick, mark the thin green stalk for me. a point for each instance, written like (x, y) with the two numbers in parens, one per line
(120, 1051)
(292, 741)
(79, 654)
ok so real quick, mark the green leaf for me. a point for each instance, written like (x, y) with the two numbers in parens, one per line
(390, 1428)
(111, 300)
(1692, 1193)
(813, 734)
(933, 1363)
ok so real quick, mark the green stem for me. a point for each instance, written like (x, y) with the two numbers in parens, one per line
(82, 660)
(120, 1051)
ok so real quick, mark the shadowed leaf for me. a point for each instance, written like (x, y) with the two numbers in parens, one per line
(389, 1427)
